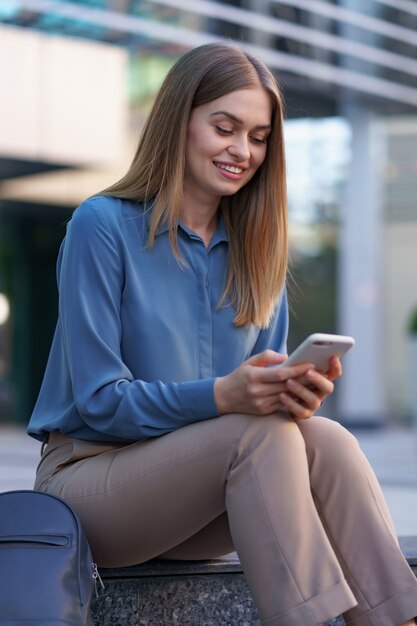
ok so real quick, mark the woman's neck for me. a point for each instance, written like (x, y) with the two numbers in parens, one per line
(201, 219)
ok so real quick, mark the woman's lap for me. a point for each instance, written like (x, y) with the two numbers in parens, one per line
(166, 495)
(145, 499)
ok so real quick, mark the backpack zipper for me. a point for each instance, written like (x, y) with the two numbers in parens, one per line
(97, 577)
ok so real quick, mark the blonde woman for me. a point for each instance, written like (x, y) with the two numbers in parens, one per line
(164, 428)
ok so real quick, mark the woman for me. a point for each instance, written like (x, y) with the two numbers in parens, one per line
(165, 429)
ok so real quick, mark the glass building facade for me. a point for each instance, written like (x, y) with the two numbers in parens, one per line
(333, 59)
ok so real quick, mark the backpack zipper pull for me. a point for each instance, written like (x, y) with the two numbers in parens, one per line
(96, 576)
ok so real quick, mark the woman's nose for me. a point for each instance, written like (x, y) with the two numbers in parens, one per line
(240, 148)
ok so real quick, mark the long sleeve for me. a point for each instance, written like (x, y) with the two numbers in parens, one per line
(91, 280)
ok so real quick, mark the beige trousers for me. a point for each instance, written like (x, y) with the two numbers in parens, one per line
(297, 500)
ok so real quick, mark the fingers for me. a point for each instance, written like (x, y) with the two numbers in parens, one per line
(335, 369)
(295, 408)
(320, 383)
(270, 375)
(268, 405)
(301, 400)
(267, 357)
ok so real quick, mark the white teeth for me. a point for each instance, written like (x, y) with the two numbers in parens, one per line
(229, 168)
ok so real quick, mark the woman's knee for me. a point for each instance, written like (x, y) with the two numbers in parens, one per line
(329, 439)
(278, 430)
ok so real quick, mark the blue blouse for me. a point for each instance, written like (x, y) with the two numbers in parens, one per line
(140, 338)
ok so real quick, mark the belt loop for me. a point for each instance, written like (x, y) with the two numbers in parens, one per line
(44, 442)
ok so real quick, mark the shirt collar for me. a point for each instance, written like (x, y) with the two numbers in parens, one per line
(220, 234)
(147, 212)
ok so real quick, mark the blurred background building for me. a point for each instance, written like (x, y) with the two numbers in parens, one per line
(77, 80)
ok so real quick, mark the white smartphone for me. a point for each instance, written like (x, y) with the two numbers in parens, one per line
(319, 348)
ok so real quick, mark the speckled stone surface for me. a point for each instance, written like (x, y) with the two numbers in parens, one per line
(188, 593)
(178, 593)
(198, 600)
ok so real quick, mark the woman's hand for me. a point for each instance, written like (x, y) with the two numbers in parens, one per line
(260, 390)
(254, 388)
(304, 396)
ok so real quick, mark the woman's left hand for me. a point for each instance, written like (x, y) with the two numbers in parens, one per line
(307, 393)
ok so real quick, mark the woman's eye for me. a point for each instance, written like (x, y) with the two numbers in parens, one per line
(259, 139)
(223, 131)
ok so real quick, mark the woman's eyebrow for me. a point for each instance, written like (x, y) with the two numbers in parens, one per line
(239, 121)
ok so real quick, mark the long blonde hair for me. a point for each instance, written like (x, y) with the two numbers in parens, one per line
(256, 216)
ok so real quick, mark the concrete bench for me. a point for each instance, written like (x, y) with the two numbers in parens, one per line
(187, 593)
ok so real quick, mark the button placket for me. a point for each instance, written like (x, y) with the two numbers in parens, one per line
(205, 322)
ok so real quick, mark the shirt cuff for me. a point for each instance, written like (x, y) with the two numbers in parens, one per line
(198, 399)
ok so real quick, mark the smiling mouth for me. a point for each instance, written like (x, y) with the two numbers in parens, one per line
(233, 169)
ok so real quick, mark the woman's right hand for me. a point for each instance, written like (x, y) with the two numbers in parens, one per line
(253, 387)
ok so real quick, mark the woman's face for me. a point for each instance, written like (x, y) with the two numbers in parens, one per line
(226, 143)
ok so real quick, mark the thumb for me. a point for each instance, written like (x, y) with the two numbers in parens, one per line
(267, 357)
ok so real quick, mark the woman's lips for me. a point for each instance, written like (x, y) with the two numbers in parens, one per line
(232, 172)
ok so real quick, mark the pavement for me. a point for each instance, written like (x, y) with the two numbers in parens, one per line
(392, 453)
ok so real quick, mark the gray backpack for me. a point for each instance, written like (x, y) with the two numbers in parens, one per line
(47, 573)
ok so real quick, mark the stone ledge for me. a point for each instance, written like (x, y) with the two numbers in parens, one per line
(409, 549)
(188, 593)
(161, 567)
